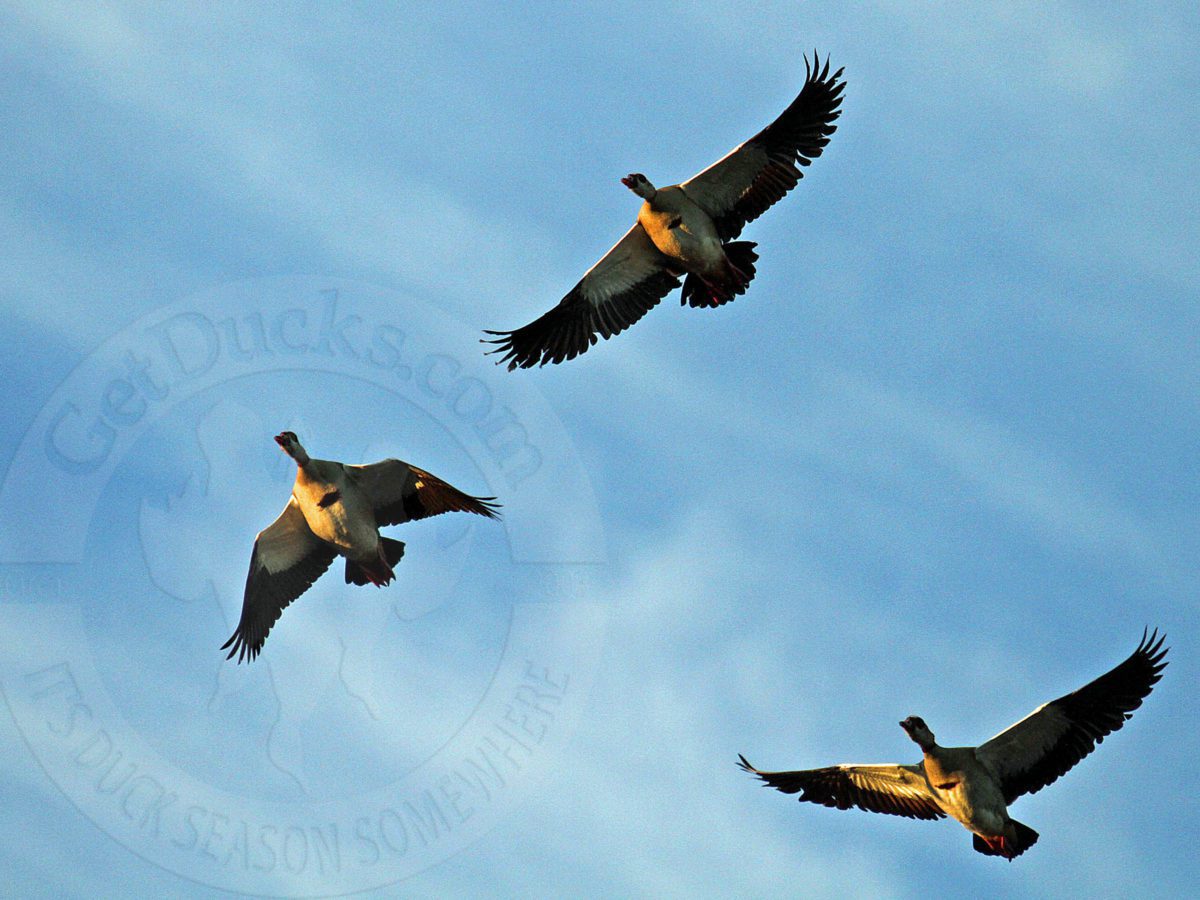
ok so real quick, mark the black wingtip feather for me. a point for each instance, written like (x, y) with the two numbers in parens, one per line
(240, 647)
(796, 137)
(575, 324)
(491, 507)
(1095, 711)
(267, 596)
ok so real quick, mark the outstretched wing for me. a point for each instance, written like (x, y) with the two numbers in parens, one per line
(1053, 738)
(287, 559)
(895, 790)
(743, 185)
(623, 286)
(400, 493)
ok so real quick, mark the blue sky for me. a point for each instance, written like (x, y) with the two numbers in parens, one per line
(940, 460)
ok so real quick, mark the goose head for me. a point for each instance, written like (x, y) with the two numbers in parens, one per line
(640, 185)
(916, 729)
(291, 446)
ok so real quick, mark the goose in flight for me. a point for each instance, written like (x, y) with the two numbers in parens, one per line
(685, 229)
(975, 785)
(336, 510)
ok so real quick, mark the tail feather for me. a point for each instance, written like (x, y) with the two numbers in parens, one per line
(376, 571)
(982, 846)
(1026, 837)
(356, 574)
(700, 293)
(392, 549)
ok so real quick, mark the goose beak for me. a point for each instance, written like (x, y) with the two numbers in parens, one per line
(628, 181)
(281, 441)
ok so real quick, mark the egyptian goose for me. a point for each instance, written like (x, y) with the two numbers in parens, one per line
(975, 785)
(685, 229)
(336, 510)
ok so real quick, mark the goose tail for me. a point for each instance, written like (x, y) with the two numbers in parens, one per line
(699, 292)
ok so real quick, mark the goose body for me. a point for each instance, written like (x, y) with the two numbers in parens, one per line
(680, 229)
(976, 785)
(967, 794)
(966, 789)
(336, 510)
(687, 230)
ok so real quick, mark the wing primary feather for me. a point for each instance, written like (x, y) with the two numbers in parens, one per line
(577, 324)
(268, 594)
(757, 174)
(1050, 741)
(893, 790)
